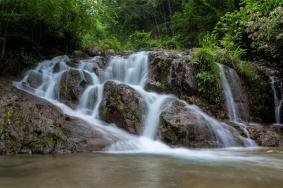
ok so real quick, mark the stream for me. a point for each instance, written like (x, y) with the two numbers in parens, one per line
(219, 168)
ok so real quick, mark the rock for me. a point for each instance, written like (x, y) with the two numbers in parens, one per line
(34, 79)
(182, 126)
(109, 52)
(123, 106)
(171, 72)
(94, 51)
(183, 78)
(79, 55)
(266, 135)
(84, 138)
(72, 85)
(97, 64)
(32, 125)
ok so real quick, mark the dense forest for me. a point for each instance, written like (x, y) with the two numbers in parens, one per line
(248, 29)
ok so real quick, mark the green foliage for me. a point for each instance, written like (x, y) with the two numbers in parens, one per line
(248, 70)
(205, 60)
(111, 42)
(27, 58)
(253, 31)
(141, 40)
(197, 18)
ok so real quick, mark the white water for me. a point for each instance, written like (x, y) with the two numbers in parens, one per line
(278, 100)
(231, 106)
(131, 71)
(229, 99)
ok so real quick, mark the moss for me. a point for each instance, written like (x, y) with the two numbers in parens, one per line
(164, 85)
(8, 116)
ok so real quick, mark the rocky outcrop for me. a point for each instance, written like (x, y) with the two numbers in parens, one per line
(182, 126)
(72, 85)
(123, 106)
(171, 72)
(32, 125)
(266, 135)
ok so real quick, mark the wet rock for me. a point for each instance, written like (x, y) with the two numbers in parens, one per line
(72, 85)
(182, 126)
(97, 64)
(266, 135)
(171, 72)
(123, 106)
(31, 125)
(94, 51)
(183, 77)
(84, 138)
(34, 79)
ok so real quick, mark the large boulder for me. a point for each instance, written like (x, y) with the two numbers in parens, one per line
(123, 106)
(32, 125)
(171, 72)
(184, 125)
(34, 79)
(72, 85)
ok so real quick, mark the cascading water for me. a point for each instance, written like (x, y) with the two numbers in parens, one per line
(278, 99)
(131, 71)
(231, 105)
(237, 111)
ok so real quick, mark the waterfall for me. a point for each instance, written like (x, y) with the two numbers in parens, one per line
(237, 110)
(132, 71)
(229, 99)
(278, 100)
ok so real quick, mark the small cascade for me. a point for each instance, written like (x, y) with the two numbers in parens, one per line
(234, 97)
(277, 88)
(131, 71)
(237, 109)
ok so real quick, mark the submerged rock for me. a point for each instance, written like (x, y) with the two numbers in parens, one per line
(72, 85)
(123, 106)
(31, 125)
